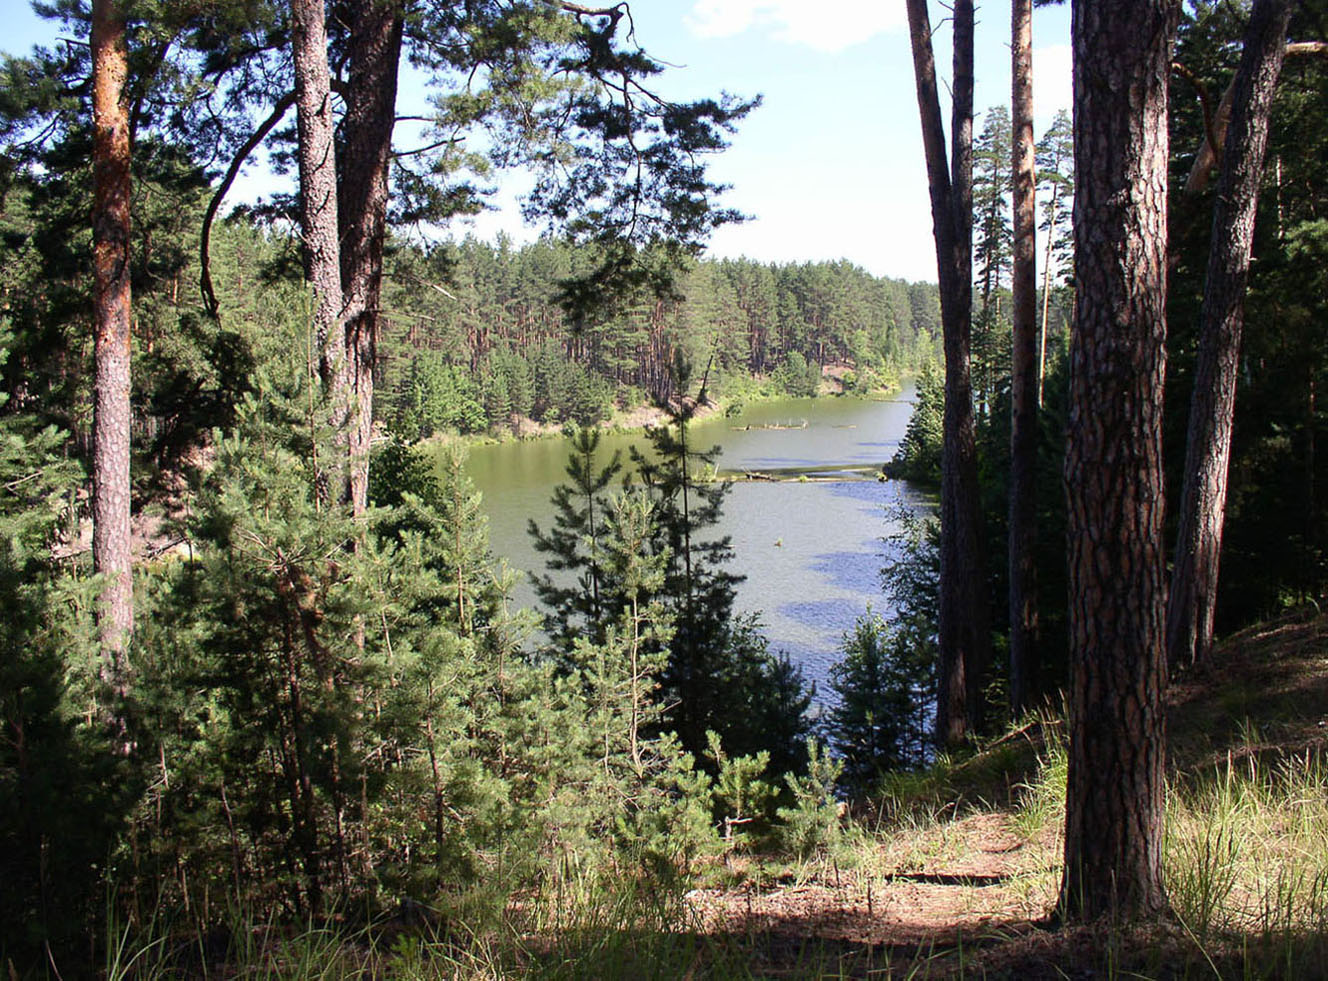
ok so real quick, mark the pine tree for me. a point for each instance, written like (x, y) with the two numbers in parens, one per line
(497, 400)
(1024, 377)
(993, 250)
(720, 674)
(1193, 593)
(879, 683)
(420, 495)
(965, 642)
(1055, 177)
(63, 792)
(589, 605)
(1113, 463)
(992, 186)
(274, 602)
(699, 590)
(111, 156)
(919, 455)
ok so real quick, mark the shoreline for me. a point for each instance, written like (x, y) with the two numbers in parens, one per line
(635, 419)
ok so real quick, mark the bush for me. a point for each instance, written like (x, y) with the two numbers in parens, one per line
(797, 376)
(440, 396)
(812, 823)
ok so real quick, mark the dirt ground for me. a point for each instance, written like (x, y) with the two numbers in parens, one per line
(972, 897)
(973, 876)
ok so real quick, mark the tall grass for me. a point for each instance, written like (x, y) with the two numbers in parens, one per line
(1246, 860)
(1040, 803)
(1245, 855)
(585, 923)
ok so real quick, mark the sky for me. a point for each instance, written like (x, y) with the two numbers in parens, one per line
(830, 166)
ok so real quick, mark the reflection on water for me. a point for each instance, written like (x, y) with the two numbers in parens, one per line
(811, 550)
(848, 569)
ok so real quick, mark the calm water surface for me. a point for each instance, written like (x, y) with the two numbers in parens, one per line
(811, 551)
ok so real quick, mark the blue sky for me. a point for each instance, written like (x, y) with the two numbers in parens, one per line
(831, 165)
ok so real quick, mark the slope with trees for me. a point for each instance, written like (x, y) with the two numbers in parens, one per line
(489, 341)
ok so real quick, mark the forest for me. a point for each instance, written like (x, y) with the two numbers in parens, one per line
(267, 705)
(497, 344)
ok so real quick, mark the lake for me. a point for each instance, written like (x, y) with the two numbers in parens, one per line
(811, 550)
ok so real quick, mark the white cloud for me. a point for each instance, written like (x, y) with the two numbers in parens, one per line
(826, 27)
(1053, 79)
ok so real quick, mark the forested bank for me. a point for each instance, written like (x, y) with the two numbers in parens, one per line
(474, 336)
(1271, 552)
(473, 333)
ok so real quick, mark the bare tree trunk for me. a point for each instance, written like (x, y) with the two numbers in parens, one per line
(1024, 374)
(318, 211)
(375, 52)
(1046, 299)
(111, 542)
(1113, 465)
(964, 641)
(1193, 599)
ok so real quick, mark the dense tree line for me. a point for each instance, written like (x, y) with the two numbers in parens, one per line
(476, 337)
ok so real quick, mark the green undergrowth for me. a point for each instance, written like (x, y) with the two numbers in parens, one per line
(1246, 865)
(633, 931)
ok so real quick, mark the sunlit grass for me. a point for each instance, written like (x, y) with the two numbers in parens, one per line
(1247, 857)
(1246, 865)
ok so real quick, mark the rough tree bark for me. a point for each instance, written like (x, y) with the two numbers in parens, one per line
(112, 312)
(318, 210)
(375, 53)
(1024, 373)
(1113, 464)
(965, 644)
(1193, 598)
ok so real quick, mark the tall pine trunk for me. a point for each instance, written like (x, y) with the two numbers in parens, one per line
(963, 634)
(1024, 374)
(1193, 597)
(1113, 464)
(111, 413)
(1046, 296)
(318, 217)
(375, 52)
